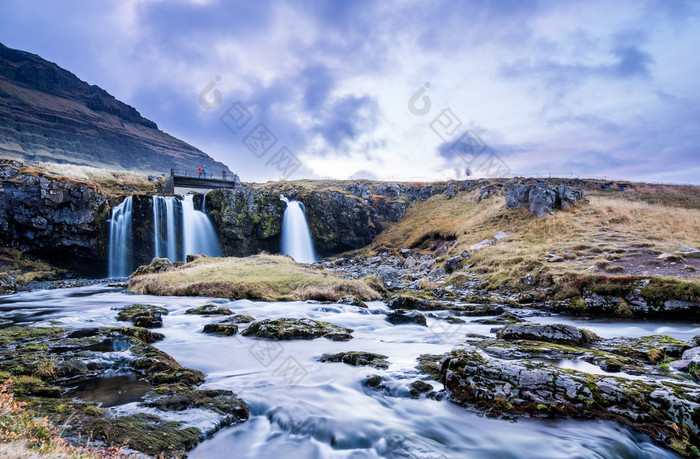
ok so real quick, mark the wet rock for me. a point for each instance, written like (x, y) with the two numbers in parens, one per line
(157, 265)
(374, 382)
(660, 408)
(502, 319)
(286, 329)
(652, 349)
(221, 329)
(402, 316)
(237, 319)
(412, 301)
(475, 310)
(209, 309)
(352, 301)
(419, 387)
(357, 358)
(143, 315)
(553, 333)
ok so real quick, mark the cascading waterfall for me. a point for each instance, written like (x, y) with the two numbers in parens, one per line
(198, 232)
(296, 237)
(120, 240)
(165, 229)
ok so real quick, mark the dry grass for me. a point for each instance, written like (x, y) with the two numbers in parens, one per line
(613, 225)
(111, 181)
(261, 277)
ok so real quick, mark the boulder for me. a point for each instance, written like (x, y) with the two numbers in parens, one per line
(221, 329)
(157, 265)
(287, 329)
(402, 316)
(499, 236)
(456, 262)
(209, 309)
(541, 198)
(551, 333)
(194, 256)
(143, 315)
(390, 277)
(480, 245)
(357, 359)
(406, 253)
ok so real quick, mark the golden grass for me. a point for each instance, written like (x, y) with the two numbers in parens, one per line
(111, 181)
(610, 227)
(261, 277)
(23, 269)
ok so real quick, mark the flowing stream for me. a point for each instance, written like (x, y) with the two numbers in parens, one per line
(302, 408)
(296, 237)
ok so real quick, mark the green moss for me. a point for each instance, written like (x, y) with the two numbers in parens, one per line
(357, 358)
(143, 315)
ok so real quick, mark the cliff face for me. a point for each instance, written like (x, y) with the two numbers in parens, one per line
(58, 220)
(49, 114)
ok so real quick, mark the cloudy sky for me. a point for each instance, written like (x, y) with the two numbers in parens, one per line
(396, 89)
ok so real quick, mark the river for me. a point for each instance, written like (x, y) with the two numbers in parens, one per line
(301, 408)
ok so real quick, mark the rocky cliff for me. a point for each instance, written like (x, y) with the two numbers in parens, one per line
(49, 114)
(56, 219)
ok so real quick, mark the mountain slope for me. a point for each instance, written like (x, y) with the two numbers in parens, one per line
(49, 114)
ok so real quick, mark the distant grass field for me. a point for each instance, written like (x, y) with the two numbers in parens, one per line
(261, 277)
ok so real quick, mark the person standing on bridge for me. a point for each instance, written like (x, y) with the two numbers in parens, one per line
(200, 169)
(205, 171)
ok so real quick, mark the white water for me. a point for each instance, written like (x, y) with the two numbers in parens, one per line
(326, 412)
(120, 240)
(198, 232)
(165, 236)
(296, 237)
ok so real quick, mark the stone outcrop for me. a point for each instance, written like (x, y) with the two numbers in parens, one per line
(57, 219)
(542, 198)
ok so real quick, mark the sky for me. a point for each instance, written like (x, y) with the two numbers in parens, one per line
(395, 90)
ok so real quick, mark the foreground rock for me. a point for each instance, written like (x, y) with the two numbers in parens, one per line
(46, 362)
(401, 316)
(553, 333)
(666, 410)
(285, 329)
(220, 329)
(357, 358)
(209, 309)
(143, 315)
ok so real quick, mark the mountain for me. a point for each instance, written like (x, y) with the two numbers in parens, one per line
(49, 114)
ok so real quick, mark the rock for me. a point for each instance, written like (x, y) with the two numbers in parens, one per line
(209, 309)
(410, 263)
(352, 301)
(196, 256)
(436, 274)
(541, 198)
(402, 316)
(406, 253)
(456, 262)
(552, 333)
(680, 365)
(373, 381)
(499, 236)
(286, 329)
(221, 329)
(390, 277)
(481, 245)
(450, 191)
(410, 301)
(357, 358)
(671, 257)
(8, 284)
(688, 252)
(143, 315)
(527, 279)
(692, 354)
(475, 310)
(418, 388)
(692, 342)
(157, 265)
(237, 319)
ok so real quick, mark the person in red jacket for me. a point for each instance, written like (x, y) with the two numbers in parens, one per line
(200, 169)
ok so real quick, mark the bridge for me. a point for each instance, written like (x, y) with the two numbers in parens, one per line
(182, 179)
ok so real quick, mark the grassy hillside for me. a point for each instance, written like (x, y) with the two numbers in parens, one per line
(619, 232)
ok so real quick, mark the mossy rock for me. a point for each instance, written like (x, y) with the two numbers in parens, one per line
(476, 310)
(146, 433)
(221, 329)
(551, 333)
(419, 387)
(412, 301)
(209, 309)
(158, 265)
(238, 319)
(143, 315)
(286, 329)
(178, 397)
(357, 358)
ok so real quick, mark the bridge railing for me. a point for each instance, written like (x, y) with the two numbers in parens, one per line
(219, 175)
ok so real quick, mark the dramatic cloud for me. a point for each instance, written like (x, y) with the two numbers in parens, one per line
(593, 88)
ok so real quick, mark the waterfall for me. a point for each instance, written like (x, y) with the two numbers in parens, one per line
(120, 240)
(296, 237)
(165, 232)
(198, 233)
